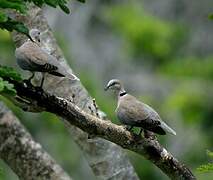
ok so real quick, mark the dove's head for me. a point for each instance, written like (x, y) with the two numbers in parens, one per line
(115, 85)
(35, 35)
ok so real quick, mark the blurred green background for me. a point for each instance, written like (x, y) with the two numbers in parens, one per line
(161, 50)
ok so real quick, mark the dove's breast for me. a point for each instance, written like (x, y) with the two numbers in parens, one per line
(126, 111)
(21, 61)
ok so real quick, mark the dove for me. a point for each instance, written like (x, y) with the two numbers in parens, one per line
(30, 56)
(134, 113)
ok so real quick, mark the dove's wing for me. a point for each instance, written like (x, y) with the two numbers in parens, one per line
(38, 58)
(31, 57)
(134, 111)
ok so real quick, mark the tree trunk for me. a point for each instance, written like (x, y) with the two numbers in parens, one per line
(106, 159)
(25, 157)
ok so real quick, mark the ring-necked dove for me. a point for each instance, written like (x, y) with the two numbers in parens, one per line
(30, 56)
(134, 113)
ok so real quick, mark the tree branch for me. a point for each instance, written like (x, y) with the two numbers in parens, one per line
(26, 157)
(105, 165)
(150, 149)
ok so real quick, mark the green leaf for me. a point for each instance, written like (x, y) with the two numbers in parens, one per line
(9, 88)
(210, 16)
(3, 17)
(10, 73)
(18, 5)
(38, 3)
(52, 3)
(11, 25)
(82, 1)
(64, 8)
(6, 88)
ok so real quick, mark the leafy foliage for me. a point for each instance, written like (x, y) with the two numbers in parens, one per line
(53, 3)
(5, 86)
(18, 5)
(9, 73)
(10, 24)
(146, 35)
(207, 167)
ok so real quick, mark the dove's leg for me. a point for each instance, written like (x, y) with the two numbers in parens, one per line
(42, 80)
(149, 134)
(28, 81)
(31, 77)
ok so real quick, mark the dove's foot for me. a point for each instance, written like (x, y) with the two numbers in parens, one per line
(149, 135)
(39, 89)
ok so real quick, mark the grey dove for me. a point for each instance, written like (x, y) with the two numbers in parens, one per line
(135, 113)
(30, 56)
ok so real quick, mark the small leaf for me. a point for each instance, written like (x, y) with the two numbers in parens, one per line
(18, 5)
(3, 17)
(20, 27)
(9, 88)
(11, 25)
(38, 3)
(64, 8)
(52, 3)
(6, 88)
(82, 1)
(10, 73)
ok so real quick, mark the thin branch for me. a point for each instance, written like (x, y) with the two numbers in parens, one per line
(150, 149)
(25, 157)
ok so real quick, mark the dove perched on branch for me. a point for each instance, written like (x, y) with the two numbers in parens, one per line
(134, 113)
(30, 56)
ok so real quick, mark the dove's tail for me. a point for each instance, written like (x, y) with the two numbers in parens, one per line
(56, 73)
(64, 74)
(71, 76)
(166, 128)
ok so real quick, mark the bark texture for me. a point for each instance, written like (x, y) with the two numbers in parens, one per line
(73, 115)
(25, 157)
(107, 160)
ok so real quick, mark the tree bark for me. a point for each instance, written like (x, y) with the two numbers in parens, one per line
(106, 159)
(25, 157)
(73, 115)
